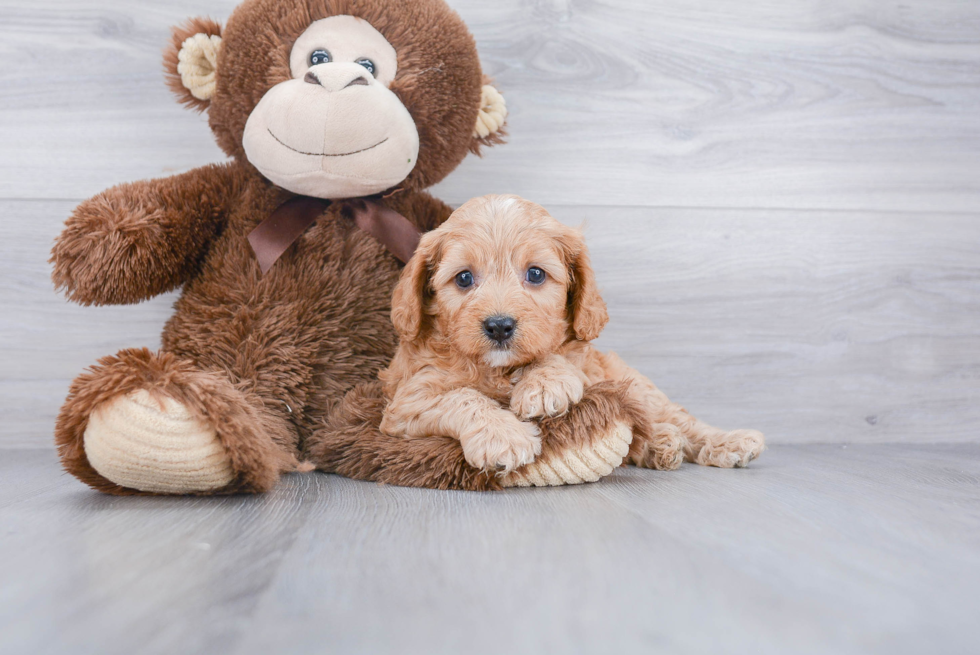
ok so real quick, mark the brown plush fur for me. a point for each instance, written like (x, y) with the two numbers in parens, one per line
(450, 378)
(256, 441)
(267, 360)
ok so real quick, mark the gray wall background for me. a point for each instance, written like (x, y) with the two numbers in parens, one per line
(782, 198)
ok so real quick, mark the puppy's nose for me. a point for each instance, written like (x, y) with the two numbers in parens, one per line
(499, 328)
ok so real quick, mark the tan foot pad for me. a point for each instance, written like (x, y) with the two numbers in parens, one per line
(154, 444)
(575, 467)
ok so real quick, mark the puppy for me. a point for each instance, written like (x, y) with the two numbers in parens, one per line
(495, 313)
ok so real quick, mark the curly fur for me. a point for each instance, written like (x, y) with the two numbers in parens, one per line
(450, 378)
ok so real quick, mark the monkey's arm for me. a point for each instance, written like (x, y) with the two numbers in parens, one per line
(138, 240)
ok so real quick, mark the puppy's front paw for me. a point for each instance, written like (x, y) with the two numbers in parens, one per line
(503, 444)
(541, 394)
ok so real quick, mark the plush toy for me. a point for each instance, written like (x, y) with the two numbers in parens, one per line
(336, 115)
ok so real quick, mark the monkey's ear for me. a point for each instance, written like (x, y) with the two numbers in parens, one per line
(408, 300)
(489, 129)
(586, 309)
(191, 61)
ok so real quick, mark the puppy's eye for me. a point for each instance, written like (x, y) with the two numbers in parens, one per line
(368, 64)
(320, 57)
(535, 275)
(464, 279)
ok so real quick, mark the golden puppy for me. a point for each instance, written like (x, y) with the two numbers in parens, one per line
(495, 313)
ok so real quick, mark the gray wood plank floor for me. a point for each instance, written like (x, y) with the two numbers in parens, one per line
(815, 549)
(783, 204)
(847, 104)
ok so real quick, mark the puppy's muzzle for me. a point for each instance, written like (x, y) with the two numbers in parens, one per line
(499, 328)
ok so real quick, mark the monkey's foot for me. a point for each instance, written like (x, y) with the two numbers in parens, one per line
(143, 422)
(153, 443)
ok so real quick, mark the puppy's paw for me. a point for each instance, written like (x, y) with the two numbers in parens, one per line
(735, 450)
(662, 449)
(546, 393)
(503, 444)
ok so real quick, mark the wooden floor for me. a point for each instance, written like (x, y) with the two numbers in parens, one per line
(815, 549)
(782, 201)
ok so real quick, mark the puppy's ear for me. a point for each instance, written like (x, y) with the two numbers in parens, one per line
(408, 301)
(191, 61)
(586, 309)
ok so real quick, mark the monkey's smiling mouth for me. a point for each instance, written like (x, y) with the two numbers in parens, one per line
(325, 154)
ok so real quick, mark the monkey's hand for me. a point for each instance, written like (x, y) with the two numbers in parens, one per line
(136, 241)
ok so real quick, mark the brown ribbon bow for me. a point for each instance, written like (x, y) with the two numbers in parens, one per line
(290, 220)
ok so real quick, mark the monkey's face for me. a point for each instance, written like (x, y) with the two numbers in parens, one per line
(334, 130)
(341, 98)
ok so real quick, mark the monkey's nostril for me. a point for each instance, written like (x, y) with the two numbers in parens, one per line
(331, 82)
(499, 328)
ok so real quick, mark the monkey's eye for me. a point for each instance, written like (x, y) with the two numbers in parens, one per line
(535, 275)
(320, 57)
(368, 64)
(464, 279)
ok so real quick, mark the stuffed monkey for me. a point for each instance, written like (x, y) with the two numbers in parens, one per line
(336, 116)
